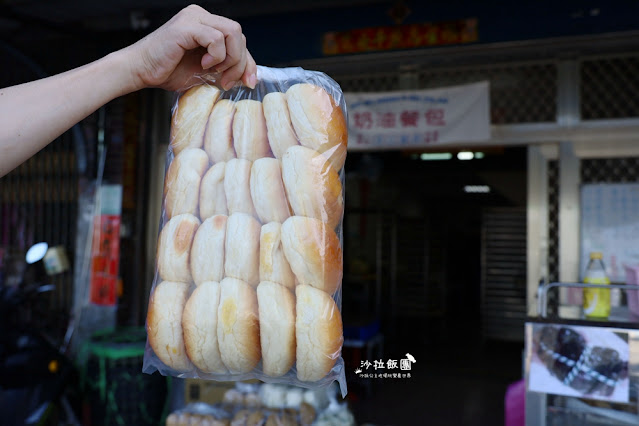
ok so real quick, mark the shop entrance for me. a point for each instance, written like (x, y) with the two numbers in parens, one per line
(435, 250)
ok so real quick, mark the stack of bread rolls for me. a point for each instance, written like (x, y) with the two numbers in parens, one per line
(249, 260)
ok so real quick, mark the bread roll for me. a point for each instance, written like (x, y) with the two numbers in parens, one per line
(267, 191)
(191, 115)
(237, 187)
(233, 397)
(318, 332)
(172, 420)
(312, 186)
(308, 414)
(199, 325)
(218, 139)
(207, 250)
(212, 195)
(256, 418)
(277, 328)
(252, 399)
(281, 135)
(182, 183)
(174, 248)
(240, 418)
(164, 325)
(318, 121)
(314, 252)
(242, 248)
(249, 130)
(238, 329)
(273, 264)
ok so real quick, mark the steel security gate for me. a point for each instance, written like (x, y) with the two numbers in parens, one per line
(503, 273)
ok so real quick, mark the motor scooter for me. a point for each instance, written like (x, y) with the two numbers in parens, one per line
(34, 372)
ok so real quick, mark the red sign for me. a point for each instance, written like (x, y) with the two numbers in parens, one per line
(105, 259)
(400, 37)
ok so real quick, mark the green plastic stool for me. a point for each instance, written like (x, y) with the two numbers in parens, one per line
(117, 390)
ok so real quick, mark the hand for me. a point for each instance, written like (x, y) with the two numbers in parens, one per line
(192, 42)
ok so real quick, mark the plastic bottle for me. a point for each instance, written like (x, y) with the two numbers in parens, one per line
(596, 300)
(615, 293)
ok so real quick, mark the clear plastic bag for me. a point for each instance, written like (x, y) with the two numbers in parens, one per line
(249, 258)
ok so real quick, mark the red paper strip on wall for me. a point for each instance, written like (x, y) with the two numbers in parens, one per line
(400, 37)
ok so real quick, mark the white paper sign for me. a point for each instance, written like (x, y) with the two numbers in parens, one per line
(418, 118)
(610, 224)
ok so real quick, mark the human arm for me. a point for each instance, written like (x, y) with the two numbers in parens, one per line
(35, 113)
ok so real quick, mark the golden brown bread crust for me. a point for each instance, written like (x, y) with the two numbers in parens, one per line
(212, 195)
(174, 247)
(199, 326)
(207, 250)
(164, 324)
(318, 121)
(218, 139)
(242, 248)
(277, 328)
(314, 252)
(238, 329)
(182, 183)
(273, 264)
(237, 187)
(318, 331)
(249, 130)
(191, 115)
(313, 187)
(281, 135)
(267, 191)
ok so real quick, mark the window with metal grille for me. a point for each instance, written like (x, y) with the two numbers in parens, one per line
(553, 221)
(382, 82)
(609, 87)
(519, 92)
(610, 170)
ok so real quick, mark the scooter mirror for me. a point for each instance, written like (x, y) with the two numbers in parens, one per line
(36, 253)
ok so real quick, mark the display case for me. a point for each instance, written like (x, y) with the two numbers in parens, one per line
(581, 372)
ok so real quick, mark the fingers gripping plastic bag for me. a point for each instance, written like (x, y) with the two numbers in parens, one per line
(249, 256)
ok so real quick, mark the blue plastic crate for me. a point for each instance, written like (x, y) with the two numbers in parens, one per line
(362, 332)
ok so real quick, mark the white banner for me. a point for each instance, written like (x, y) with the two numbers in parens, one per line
(418, 118)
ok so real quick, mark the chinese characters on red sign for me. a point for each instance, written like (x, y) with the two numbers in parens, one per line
(401, 37)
